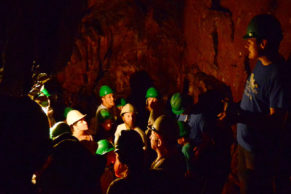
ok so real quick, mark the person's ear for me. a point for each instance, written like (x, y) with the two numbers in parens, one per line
(102, 99)
(263, 44)
(159, 142)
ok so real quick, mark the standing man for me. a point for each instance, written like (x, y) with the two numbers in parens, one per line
(153, 105)
(128, 115)
(107, 97)
(169, 160)
(180, 107)
(262, 109)
(107, 102)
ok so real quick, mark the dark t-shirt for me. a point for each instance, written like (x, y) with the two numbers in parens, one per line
(196, 123)
(263, 90)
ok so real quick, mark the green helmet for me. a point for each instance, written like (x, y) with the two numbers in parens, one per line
(103, 115)
(183, 129)
(45, 92)
(264, 26)
(104, 90)
(121, 102)
(58, 129)
(176, 104)
(104, 146)
(152, 93)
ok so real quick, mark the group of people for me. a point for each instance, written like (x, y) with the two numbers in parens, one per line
(180, 145)
(183, 147)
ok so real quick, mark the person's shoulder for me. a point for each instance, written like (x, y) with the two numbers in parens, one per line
(117, 186)
(187, 147)
(100, 107)
(121, 127)
(137, 129)
(196, 114)
(197, 117)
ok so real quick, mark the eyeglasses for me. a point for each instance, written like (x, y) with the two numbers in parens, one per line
(154, 129)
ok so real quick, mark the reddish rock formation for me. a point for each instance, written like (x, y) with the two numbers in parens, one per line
(170, 40)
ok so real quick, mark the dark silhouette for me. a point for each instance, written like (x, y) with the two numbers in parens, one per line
(24, 143)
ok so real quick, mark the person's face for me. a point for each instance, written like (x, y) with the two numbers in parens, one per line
(108, 100)
(253, 48)
(129, 119)
(110, 158)
(81, 125)
(120, 169)
(151, 103)
(107, 124)
(154, 138)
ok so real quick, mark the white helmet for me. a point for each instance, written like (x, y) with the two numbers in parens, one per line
(74, 116)
(127, 108)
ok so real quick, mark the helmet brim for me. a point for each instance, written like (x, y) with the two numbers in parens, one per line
(82, 117)
(99, 152)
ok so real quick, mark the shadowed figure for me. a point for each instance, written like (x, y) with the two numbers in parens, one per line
(138, 179)
(24, 143)
(139, 83)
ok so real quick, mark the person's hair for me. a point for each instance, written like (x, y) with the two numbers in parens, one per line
(130, 149)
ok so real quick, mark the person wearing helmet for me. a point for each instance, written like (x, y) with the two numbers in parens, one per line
(153, 105)
(120, 103)
(43, 99)
(164, 136)
(107, 98)
(105, 126)
(128, 116)
(187, 147)
(59, 129)
(79, 127)
(78, 124)
(151, 98)
(106, 149)
(263, 107)
(138, 177)
(107, 102)
(181, 108)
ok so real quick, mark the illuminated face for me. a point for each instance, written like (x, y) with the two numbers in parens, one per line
(120, 169)
(108, 100)
(110, 158)
(154, 140)
(107, 125)
(253, 48)
(81, 125)
(151, 102)
(129, 119)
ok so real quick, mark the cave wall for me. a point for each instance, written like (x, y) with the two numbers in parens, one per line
(213, 33)
(183, 45)
(120, 38)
